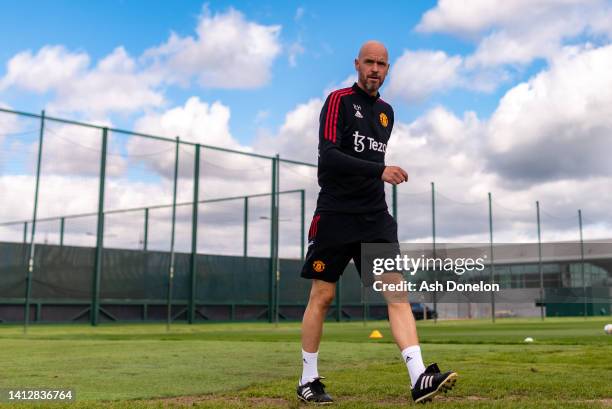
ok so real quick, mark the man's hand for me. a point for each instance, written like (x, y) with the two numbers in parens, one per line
(394, 175)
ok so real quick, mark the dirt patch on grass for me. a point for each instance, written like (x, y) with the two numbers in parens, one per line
(229, 401)
(606, 402)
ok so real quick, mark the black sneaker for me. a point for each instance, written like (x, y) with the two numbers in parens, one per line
(314, 392)
(431, 382)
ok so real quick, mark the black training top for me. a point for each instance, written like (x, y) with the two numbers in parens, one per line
(354, 128)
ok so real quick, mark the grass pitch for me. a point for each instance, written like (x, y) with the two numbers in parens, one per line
(569, 365)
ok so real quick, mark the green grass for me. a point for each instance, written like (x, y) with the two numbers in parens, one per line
(256, 364)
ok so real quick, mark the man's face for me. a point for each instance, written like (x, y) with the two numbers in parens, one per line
(372, 67)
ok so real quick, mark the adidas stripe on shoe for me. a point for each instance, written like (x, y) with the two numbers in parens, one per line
(314, 392)
(432, 382)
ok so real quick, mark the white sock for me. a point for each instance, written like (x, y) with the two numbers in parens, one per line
(309, 369)
(414, 362)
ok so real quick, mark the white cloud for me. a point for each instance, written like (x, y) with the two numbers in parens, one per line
(115, 84)
(476, 16)
(9, 123)
(298, 136)
(196, 121)
(228, 51)
(417, 74)
(556, 125)
(517, 31)
(223, 174)
(76, 150)
(50, 68)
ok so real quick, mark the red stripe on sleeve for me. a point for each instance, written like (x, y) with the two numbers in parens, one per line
(335, 118)
(329, 109)
(334, 100)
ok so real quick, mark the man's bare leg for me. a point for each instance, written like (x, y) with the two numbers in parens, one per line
(321, 296)
(403, 327)
(426, 382)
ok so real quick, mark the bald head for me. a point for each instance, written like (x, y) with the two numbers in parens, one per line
(372, 65)
(373, 47)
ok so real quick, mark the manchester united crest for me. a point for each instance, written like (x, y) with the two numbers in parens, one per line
(384, 121)
(318, 266)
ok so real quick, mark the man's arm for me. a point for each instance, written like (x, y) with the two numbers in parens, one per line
(331, 123)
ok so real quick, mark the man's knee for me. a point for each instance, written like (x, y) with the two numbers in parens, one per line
(322, 294)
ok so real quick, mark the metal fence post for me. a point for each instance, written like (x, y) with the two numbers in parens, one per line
(194, 236)
(492, 257)
(540, 261)
(95, 296)
(582, 264)
(245, 230)
(272, 275)
(171, 269)
(433, 234)
(145, 239)
(276, 236)
(145, 257)
(302, 221)
(62, 226)
(30, 270)
(25, 233)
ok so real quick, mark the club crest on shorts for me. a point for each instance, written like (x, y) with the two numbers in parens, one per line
(384, 121)
(318, 266)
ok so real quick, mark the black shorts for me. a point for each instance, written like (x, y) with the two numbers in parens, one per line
(335, 238)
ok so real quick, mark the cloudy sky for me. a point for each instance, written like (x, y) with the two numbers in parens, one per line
(508, 97)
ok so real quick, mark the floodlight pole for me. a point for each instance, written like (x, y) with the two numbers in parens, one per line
(95, 293)
(492, 257)
(171, 270)
(30, 270)
(540, 262)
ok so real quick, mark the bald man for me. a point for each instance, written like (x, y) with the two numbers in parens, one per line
(354, 128)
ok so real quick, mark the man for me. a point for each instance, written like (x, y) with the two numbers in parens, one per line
(355, 126)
